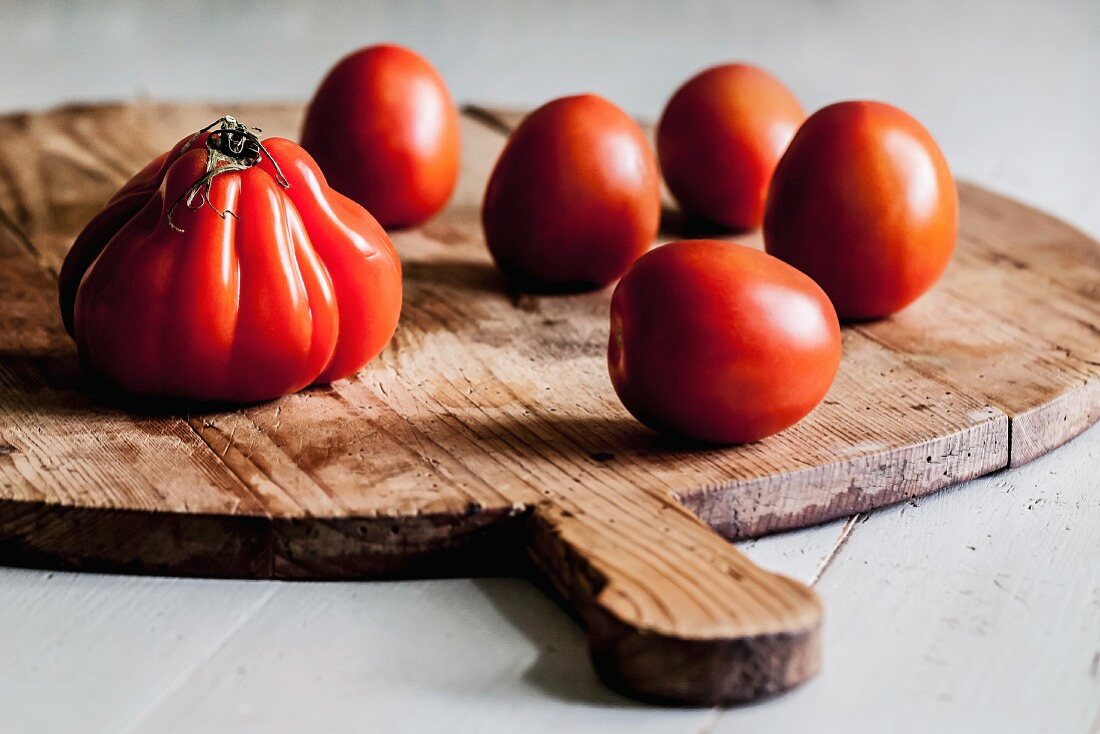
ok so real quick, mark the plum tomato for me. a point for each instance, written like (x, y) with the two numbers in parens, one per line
(384, 130)
(721, 343)
(719, 139)
(574, 198)
(863, 202)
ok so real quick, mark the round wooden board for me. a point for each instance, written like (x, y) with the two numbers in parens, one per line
(489, 426)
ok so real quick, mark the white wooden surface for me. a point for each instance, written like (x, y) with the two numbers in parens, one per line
(977, 610)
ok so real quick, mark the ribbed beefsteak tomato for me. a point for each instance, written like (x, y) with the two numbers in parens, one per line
(228, 270)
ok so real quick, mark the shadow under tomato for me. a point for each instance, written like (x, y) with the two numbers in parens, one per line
(54, 382)
(519, 287)
(483, 276)
(676, 223)
(579, 440)
(434, 276)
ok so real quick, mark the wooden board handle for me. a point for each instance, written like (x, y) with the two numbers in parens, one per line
(674, 613)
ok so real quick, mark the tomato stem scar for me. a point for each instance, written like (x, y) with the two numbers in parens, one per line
(232, 147)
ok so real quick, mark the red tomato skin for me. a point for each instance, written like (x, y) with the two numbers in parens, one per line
(864, 203)
(719, 139)
(119, 209)
(384, 129)
(299, 286)
(720, 343)
(574, 198)
(357, 253)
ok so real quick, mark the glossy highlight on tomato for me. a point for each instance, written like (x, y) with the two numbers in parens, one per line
(720, 343)
(719, 139)
(220, 275)
(574, 198)
(384, 130)
(864, 203)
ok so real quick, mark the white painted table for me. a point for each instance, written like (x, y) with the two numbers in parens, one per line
(977, 609)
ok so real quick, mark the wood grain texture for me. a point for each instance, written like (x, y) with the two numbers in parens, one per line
(86, 484)
(488, 429)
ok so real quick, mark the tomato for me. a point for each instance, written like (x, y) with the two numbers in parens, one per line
(228, 272)
(384, 130)
(863, 202)
(720, 343)
(719, 139)
(574, 198)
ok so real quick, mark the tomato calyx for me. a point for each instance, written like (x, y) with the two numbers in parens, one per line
(233, 146)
